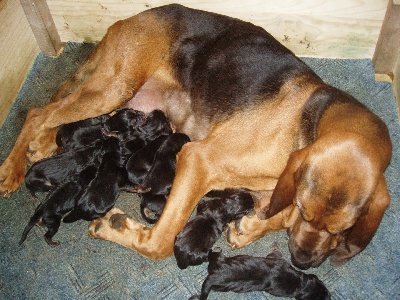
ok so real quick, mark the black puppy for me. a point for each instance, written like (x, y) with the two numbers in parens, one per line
(140, 162)
(58, 202)
(216, 209)
(158, 180)
(103, 191)
(155, 125)
(123, 123)
(271, 274)
(47, 173)
(79, 132)
(83, 137)
(157, 184)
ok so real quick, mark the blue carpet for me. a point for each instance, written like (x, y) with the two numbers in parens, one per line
(85, 268)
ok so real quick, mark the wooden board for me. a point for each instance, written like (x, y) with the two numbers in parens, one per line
(386, 58)
(18, 50)
(42, 25)
(317, 28)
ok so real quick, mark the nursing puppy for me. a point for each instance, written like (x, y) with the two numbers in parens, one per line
(83, 137)
(140, 162)
(162, 172)
(123, 123)
(216, 209)
(58, 202)
(103, 191)
(50, 172)
(158, 181)
(272, 274)
(72, 134)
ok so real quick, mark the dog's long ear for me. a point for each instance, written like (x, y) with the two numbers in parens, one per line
(364, 229)
(285, 188)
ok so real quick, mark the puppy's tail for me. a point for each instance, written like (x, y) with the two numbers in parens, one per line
(32, 221)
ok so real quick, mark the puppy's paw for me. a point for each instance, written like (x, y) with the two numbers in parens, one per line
(12, 175)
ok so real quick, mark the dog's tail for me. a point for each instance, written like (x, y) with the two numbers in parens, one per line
(32, 221)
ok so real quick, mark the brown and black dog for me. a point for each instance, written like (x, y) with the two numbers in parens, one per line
(258, 118)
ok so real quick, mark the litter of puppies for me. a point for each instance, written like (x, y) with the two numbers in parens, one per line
(129, 151)
(101, 147)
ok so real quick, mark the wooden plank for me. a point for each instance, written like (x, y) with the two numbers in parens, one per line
(387, 50)
(318, 28)
(18, 49)
(386, 58)
(41, 21)
(396, 86)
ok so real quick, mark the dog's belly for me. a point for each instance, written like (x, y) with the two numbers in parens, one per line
(174, 102)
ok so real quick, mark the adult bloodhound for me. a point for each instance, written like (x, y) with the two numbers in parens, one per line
(259, 118)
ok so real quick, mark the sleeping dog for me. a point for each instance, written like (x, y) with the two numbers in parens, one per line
(59, 201)
(271, 274)
(214, 212)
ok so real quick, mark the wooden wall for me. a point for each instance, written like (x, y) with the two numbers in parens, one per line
(18, 49)
(317, 28)
(386, 58)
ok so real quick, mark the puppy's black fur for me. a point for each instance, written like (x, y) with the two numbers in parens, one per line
(271, 274)
(158, 181)
(83, 137)
(143, 143)
(216, 209)
(162, 172)
(103, 191)
(155, 125)
(66, 133)
(47, 173)
(123, 123)
(58, 202)
(140, 162)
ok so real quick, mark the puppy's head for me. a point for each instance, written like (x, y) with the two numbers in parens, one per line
(124, 120)
(337, 187)
(156, 124)
(313, 288)
(194, 242)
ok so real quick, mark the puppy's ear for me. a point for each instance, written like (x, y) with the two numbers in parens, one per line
(285, 188)
(359, 236)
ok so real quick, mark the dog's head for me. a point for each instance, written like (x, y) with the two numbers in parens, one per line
(339, 195)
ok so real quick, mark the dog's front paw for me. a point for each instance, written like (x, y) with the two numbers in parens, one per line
(12, 176)
(114, 223)
(239, 234)
(42, 146)
(233, 233)
(98, 227)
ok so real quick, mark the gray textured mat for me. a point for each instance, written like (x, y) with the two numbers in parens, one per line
(85, 268)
